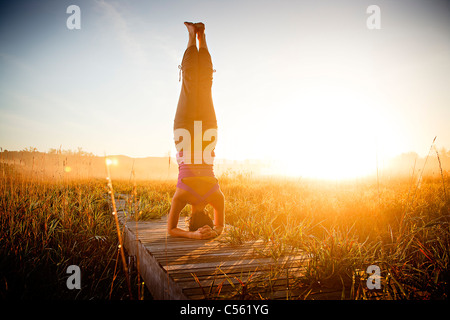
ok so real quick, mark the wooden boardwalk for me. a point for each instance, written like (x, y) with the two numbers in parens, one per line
(180, 268)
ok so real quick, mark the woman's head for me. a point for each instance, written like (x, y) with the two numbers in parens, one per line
(198, 219)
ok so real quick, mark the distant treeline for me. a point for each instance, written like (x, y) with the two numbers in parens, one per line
(70, 152)
(409, 163)
(66, 164)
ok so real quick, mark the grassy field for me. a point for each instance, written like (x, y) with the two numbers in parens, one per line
(400, 225)
(48, 225)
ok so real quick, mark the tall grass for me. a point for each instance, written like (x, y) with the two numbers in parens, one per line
(48, 225)
(343, 227)
(118, 228)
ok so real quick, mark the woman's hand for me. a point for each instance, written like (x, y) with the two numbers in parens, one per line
(204, 232)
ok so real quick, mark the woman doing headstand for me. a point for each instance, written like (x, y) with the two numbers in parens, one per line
(194, 125)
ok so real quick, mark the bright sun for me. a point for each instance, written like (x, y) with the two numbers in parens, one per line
(337, 136)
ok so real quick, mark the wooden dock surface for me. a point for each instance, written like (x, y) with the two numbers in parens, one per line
(180, 268)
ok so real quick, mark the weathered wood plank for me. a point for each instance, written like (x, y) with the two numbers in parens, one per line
(161, 286)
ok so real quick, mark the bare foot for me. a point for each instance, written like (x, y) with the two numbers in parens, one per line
(200, 29)
(191, 27)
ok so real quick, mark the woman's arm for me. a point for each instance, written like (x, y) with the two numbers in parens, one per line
(202, 233)
(174, 214)
(218, 203)
(178, 204)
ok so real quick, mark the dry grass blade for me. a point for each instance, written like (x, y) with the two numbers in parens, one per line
(119, 235)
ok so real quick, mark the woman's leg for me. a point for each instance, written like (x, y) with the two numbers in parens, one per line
(200, 28)
(188, 100)
(205, 110)
(192, 30)
(208, 116)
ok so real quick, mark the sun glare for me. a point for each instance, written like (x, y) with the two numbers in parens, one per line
(110, 162)
(336, 136)
(326, 131)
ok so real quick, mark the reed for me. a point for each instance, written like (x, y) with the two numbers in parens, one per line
(49, 224)
(441, 171)
(119, 233)
(345, 229)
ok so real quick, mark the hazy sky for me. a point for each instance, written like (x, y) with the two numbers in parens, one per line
(298, 82)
